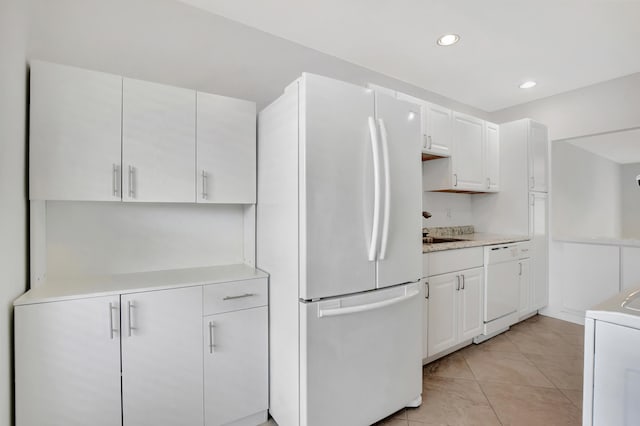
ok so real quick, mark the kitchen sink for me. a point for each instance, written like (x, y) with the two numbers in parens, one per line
(438, 240)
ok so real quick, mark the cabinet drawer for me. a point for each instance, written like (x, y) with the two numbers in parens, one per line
(232, 296)
(441, 262)
(524, 250)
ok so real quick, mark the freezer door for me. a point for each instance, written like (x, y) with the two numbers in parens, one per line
(360, 356)
(336, 188)
(400, 253)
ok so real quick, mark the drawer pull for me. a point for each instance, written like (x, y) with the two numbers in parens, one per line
(239, 296)
(212, 342)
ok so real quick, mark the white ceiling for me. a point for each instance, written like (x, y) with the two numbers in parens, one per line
(621, 147)
(562, 44)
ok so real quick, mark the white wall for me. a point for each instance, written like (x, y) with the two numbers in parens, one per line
(604, 107)
(13, 231)
(447, 209)
(102, 238)
(630, 201)
(586, 196)
(173, 43)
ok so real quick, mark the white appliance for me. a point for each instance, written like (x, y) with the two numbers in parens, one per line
(612, 362)
(338, 229)
(521, 206)
(502, 287)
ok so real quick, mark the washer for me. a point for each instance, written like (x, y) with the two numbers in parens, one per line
(612, 362)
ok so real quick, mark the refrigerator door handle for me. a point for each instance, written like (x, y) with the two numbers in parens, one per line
(387, 189)
(373, 132)
(332, 312)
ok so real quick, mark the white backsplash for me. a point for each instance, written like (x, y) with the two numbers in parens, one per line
(446, 209)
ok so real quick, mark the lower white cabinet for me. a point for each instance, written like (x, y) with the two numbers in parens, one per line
(144, 358)
(67, 363)
(455, 308)
(526, 289)
(235, 365)
(162, 357)
(539, 232)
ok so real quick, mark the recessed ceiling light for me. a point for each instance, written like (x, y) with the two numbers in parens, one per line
(528, 84)
(448, 39)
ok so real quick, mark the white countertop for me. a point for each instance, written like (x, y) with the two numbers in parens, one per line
(66, 288)
(610, 241)
(476, 239)
(623, 309)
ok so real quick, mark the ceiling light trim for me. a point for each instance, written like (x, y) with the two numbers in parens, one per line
(448, 40)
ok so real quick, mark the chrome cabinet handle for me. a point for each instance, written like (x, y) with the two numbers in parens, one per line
(427, 290)
(520, 273)
(130, 306)
(462, 282)
(111, 329)
(488, 183)
(132, 173)
(114, 182)
(212, 344)
(457, 282)
(425, 142)
(205, 194)
(430, 141)
(239, 296)
(455, 181)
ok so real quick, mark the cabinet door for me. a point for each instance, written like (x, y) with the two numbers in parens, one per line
(524, 278)
(443, 312)
(492, 156)
(471, 304)
(400, 258)
(616, 375)
(540, 248)
(162, 358)
(67, 363)
(74, 136)
(422, 107)
(468, 153)
(538, 157)
(158, 142)
(438, 130)
(226, 150)
(235, 365)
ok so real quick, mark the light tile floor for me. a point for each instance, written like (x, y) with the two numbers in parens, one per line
(530, 375)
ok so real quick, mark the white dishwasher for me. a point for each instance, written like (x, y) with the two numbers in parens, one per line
(502, 292)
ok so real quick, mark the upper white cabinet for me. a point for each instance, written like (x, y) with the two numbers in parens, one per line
(74, 135)
(99, 137)
(439, 130)
(538, 157)
(226, 150)
(492, 156)
(467, 166)
(435, 126)
(474, 165)
(158, 142)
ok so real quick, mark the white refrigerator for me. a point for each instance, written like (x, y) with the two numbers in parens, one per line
(338, 230)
